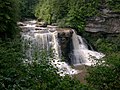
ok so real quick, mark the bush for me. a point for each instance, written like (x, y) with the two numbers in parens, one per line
(8, 17)
(114, 5)
(34, 75)
(106, 76)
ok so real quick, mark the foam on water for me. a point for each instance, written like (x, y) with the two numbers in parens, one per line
(81, 55)
(45, 38)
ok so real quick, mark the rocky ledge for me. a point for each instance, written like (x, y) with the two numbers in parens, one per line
(108, 22)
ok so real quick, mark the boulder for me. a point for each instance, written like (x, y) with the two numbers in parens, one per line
(41, 24)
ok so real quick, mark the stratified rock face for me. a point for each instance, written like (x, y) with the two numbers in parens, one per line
(108, 22)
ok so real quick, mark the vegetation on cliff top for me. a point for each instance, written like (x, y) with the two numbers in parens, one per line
(72, 13)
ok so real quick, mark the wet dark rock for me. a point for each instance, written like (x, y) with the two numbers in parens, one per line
(25, 30)
(39, 19)
(21, 24)
(54, 24)
(65, 38)
(41, 24)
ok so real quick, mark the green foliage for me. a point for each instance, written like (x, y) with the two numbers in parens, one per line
(44, 10)
(106, 76)
(8, 17)
(10, 64)
(105, 46)
(39, 74)
(72, 13)
(104, 43)
(114, 5)
(67, 13)
(79, 11)
(27, 8)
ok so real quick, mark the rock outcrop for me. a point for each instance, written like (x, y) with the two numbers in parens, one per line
(108, 22)
(65, 38)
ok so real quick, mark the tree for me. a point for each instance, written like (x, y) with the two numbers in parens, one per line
(113, 5)
(39, 74)
(106, 76)
(8, 17)
(70, 13)
(80, 11)
(44, 10)
(27, 8)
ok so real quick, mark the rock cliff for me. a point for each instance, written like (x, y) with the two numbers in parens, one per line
(108, 22)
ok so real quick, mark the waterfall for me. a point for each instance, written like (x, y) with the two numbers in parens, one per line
(39, 38)
(80, 54)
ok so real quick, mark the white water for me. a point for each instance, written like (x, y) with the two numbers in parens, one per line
(81, 54)
(39, 38)
(44, 38)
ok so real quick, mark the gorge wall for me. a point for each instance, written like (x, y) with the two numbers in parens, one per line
(107, 22)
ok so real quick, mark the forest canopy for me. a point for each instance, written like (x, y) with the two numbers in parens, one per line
(65, 13)
(72, 13)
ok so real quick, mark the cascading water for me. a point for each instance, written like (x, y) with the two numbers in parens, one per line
(39, 38)
(80, 53)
